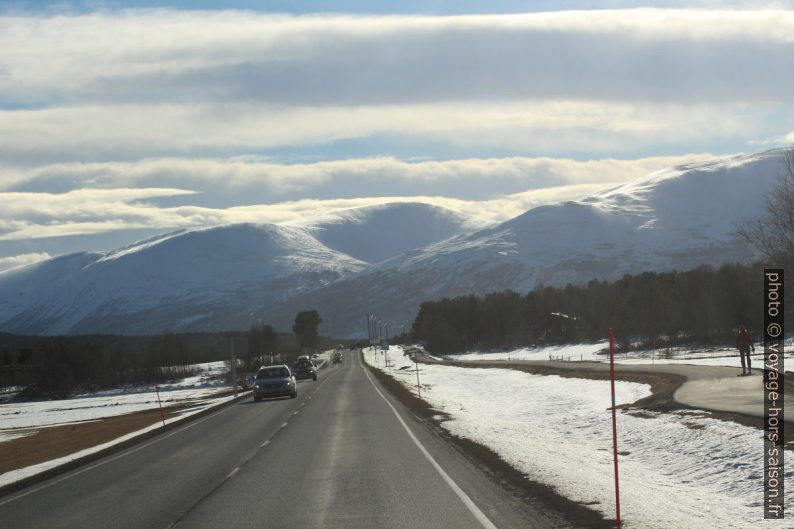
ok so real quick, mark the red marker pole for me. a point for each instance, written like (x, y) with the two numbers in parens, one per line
(619, 524)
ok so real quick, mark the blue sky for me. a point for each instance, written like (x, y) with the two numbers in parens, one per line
(123, 119)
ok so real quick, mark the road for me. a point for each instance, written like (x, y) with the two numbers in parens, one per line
(344, 454)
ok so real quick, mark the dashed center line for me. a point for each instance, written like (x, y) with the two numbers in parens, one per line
(233, 472)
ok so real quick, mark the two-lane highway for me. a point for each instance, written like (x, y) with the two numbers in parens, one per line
(343, 455)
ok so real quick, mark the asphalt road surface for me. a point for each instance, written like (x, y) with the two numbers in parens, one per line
(344, 454)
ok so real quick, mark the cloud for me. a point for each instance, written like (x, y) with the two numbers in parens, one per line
(133, 132)
(6, 263)
(166, 56)
(492, 189)
(164, 219)
(125, 85)
(262, 180)
(161, 119)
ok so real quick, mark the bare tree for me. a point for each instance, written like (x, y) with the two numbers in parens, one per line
(772, 233)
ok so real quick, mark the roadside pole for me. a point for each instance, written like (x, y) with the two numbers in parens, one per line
(388, 357)
(234, 366)
(160, 404)
(416, 362)
(618, 522)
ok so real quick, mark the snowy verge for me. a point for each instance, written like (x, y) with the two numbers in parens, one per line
(38, 414)
(677, 470)
(597, 352)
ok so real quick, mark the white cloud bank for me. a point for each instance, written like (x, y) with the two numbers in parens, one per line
(161, 119)
(640, 54)
(7, 263)
(103, 208)
(148, 83)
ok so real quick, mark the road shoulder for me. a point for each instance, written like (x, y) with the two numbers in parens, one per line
(535, 499)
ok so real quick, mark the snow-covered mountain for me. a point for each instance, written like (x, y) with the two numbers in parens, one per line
(208, 279)
(377, 233)
(388, 259)
(678, 218)
(184, 279)
(675, 218)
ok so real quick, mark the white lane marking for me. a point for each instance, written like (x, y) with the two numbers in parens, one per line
(110, 460)
(233, 472)
(285, 424)
(267, 442)
(475, 511)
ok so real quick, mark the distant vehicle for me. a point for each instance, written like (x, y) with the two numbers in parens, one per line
(274, 381)
(337, 357)
(304, 368)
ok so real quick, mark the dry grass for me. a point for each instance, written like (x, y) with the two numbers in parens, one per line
(45, 444)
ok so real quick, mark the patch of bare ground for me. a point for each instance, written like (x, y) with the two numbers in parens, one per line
(53, 442)
(531, 493)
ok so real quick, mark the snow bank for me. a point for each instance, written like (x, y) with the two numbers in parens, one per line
(678, 470)
(728, 357)
(59, 412)
(564, 352)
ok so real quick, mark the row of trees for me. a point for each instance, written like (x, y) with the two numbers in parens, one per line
(57, 366)
(703, 306)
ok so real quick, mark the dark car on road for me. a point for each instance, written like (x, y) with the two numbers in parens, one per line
(274, 381)
(304, 368)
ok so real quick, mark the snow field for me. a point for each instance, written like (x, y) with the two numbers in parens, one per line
(566, 352)
(728, 357)
(97, 405)
(59, 412)
(678, 470)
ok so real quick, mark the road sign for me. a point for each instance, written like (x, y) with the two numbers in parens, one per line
(384, 344)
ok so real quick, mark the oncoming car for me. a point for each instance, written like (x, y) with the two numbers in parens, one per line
(274, 381)
(304, 368)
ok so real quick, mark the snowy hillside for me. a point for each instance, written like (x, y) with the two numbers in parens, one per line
(388, 259)
(181, 280)
(677, 218)
(376, 233)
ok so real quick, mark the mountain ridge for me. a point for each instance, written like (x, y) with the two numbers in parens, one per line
(389, 258)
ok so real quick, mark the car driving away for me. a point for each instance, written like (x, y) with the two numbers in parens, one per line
(304, 368)
(274, 381)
